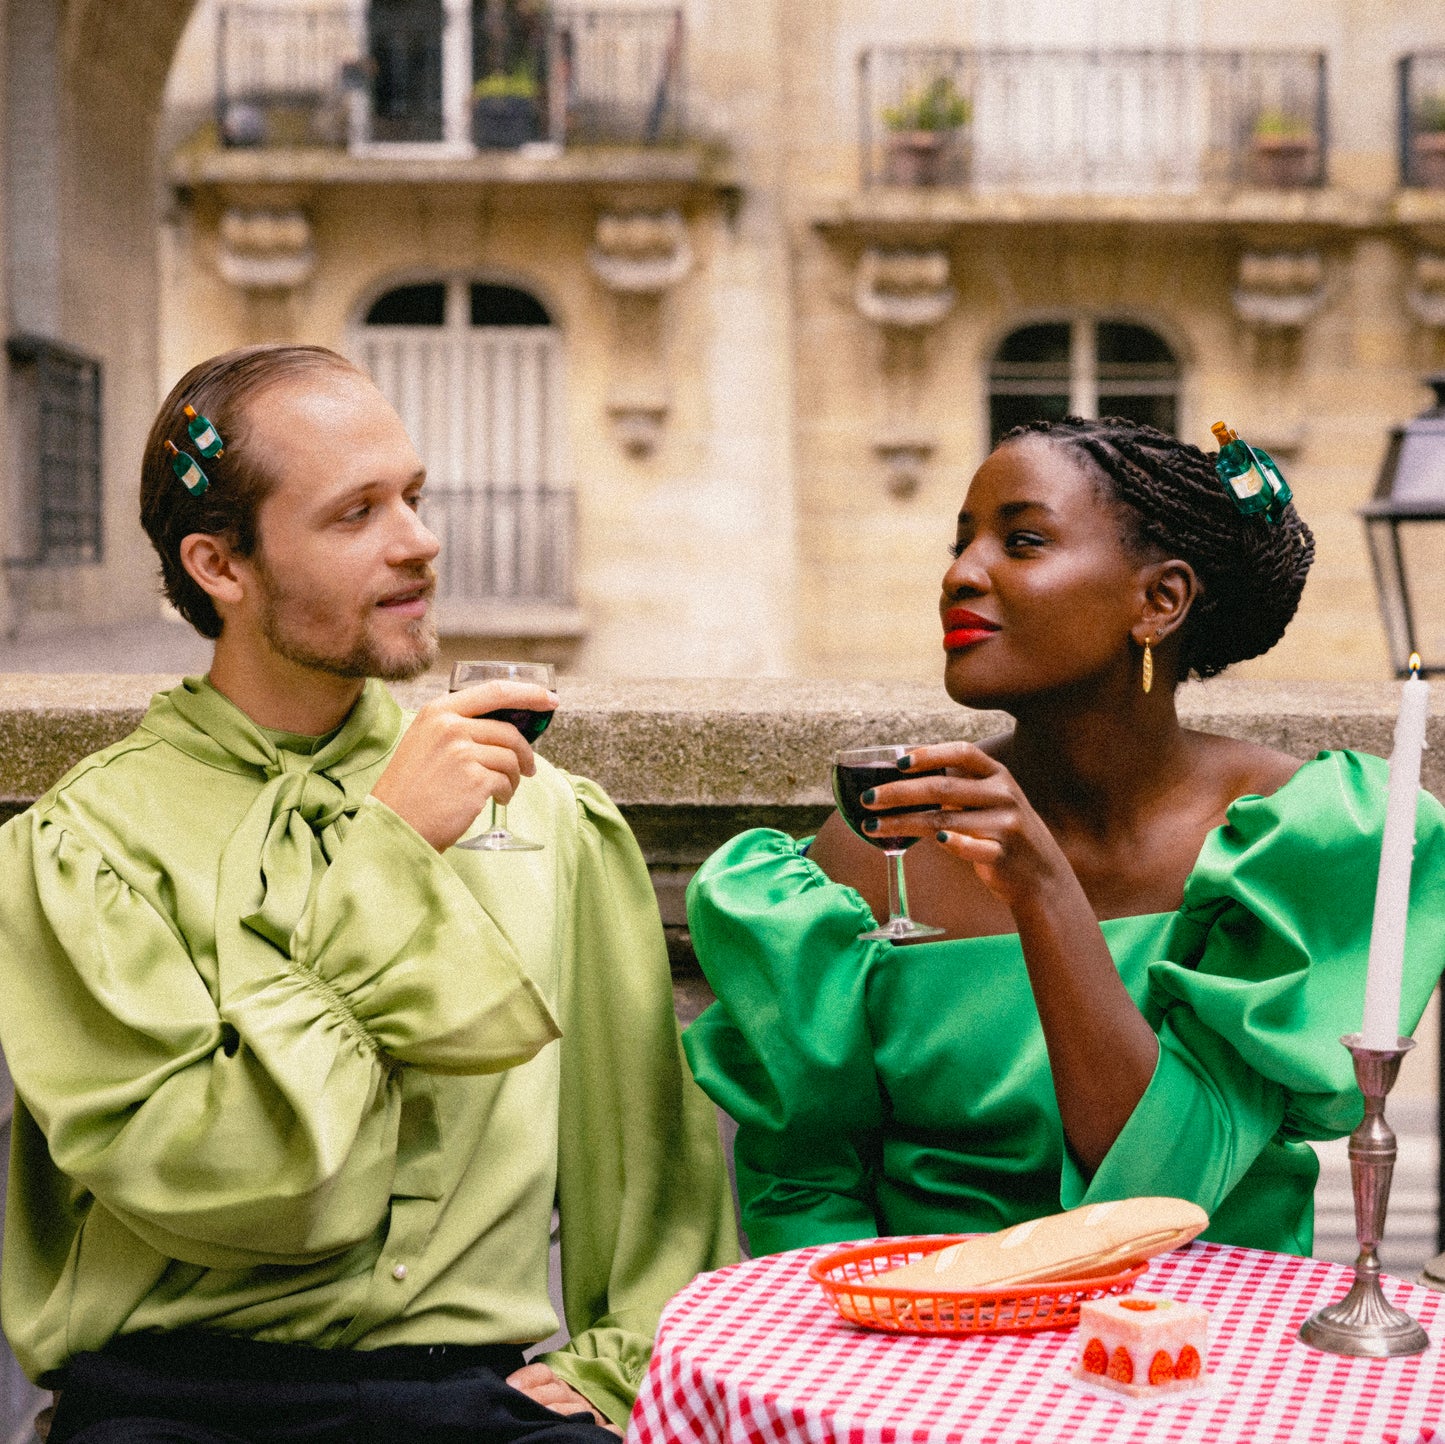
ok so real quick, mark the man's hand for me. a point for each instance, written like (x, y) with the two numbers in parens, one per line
(542, 1386)
(452, 760)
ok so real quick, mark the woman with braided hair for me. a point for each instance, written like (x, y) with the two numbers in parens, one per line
(1153, 937)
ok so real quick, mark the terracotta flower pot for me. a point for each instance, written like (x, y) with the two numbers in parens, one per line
(925, 158)
(1283, 162)
(1428, 159)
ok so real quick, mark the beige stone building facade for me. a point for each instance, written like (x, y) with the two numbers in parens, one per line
(703, 315)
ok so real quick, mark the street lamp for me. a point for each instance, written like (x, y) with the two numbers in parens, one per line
(1410, 492)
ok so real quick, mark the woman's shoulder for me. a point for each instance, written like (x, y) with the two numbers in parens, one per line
(1241, 768)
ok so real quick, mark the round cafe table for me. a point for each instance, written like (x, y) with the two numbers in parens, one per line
(756, 1353)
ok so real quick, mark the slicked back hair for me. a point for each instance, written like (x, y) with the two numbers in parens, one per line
(224, 389)
(1251, 572)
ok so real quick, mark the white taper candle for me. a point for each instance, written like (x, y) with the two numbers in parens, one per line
(1392, 892)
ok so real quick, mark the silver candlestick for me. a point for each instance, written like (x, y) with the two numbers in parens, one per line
(1363, 1324)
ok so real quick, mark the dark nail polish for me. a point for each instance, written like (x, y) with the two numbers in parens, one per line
(868, 796)
(904, 763)
(942, 836)
(870, 824)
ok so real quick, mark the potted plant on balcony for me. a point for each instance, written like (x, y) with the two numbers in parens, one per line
(1427, 142)
(1284, 151)
(505, 110)
(925, 144)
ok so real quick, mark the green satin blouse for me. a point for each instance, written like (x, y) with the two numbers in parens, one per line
(895, 1090)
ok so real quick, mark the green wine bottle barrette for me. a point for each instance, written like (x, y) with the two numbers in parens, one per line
(1250, 476)
(204, 434)
(188, 469)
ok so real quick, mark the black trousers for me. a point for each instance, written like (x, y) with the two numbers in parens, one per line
(197, 1388)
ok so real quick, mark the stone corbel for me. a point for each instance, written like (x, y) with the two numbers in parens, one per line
(1425, 295)
(1279, 290)
(908, 290)
(639, 257)
(903, 456)
(645, 253)
(905, 293)
(265, 250)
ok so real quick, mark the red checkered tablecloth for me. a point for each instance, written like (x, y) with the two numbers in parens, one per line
(756, 1353)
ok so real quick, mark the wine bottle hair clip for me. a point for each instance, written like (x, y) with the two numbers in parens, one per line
(207, 440)
(1250, 476)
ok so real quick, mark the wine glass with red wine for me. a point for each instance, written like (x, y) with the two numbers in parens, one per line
(531, 724)
(854, 772)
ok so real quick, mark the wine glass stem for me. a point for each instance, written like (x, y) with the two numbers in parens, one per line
(499, 816)
(897, 887)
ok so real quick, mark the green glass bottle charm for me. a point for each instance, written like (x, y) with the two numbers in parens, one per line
(192, 477)
(1249, 474)
(207, 438)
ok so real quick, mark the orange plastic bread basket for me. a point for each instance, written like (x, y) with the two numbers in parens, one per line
(846, 1279)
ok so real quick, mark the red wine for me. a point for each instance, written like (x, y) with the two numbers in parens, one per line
(529, 723)
(849, 785)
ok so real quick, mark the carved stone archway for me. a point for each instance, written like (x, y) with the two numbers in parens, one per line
(110, 63)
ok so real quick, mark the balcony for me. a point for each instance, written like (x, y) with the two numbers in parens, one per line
(1422, 119)
(1092, 123)
(419, 78)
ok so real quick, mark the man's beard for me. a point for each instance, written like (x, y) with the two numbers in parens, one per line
(365, 659)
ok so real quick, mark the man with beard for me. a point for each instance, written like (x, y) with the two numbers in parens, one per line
(299, 1084)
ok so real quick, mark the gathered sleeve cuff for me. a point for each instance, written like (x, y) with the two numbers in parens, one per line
(413, 959)
(786, 1050)
(606, 1366)
(1267, 973)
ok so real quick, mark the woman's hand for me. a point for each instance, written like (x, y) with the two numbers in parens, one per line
(980, 815)
(1102, 1051)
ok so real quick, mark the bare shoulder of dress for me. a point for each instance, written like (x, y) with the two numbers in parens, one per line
(1095, 1239)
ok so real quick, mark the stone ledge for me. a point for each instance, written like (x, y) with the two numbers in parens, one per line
(897, 212)
(677, 751)
(688, 165)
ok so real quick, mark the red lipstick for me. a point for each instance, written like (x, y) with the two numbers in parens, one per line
(962, 628)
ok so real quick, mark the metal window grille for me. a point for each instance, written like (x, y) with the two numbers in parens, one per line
(60, 388)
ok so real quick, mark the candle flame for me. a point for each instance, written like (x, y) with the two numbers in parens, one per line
(1414, 664)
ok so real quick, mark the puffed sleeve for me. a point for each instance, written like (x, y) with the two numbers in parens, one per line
(786, 1049)
(254, 1127)
(1267, 971)
(641, 1187)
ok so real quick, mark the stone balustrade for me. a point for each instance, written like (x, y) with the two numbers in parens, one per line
(691, 762)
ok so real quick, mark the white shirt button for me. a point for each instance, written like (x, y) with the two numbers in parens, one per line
(399, 1272)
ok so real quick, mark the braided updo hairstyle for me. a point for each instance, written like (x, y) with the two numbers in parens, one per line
(1250, 572)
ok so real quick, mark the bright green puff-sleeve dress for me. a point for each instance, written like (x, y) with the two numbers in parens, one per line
(898, 1090)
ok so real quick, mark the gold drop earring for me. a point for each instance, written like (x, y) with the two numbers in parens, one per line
(1148, 666)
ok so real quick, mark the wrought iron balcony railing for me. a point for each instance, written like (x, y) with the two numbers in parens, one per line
(1090, 122)
(503, 76)
(1422, 119)
(503, 544)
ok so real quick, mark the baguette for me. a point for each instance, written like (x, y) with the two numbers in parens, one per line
(1096, 1239)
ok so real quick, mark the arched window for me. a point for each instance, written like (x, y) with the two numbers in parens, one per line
(1082, 368)
(475, 371)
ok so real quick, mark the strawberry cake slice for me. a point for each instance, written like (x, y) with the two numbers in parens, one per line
(1142, 1344)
